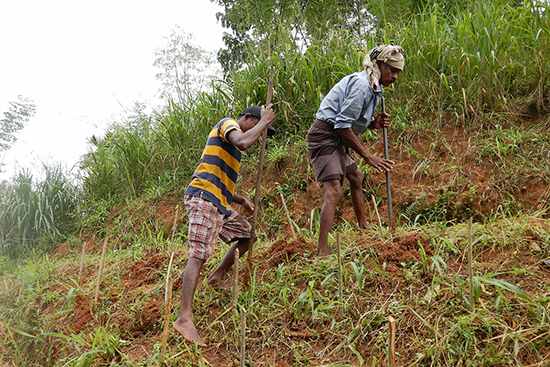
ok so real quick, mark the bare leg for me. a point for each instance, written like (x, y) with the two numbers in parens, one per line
(333, 193)
(357, 199)
(227, 262)
(184, 324)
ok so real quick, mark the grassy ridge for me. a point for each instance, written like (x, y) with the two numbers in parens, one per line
(294, 312)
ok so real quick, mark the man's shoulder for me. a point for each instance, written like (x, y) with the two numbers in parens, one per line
(225, 125)
(359, 79)
(355, 81)
(227, 121)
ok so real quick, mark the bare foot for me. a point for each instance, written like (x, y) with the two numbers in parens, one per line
(365, 226)
(323, 253)
(328, 258)
(323, 256)
(187, 329)
(217, 283)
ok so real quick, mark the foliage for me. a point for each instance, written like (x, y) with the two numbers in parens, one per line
(408, 10)
(18, 114)
(187, 69)
(262, 28)
(35, 215)
(471, 63)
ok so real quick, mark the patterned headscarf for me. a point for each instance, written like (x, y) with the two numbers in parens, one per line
(389, 54)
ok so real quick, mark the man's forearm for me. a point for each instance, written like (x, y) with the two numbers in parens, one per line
(238, 199)
(350, 139)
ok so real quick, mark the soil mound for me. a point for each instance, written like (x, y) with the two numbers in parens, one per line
(284, 252)
(401, 251)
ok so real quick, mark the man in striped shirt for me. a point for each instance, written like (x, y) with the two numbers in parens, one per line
(208, 200)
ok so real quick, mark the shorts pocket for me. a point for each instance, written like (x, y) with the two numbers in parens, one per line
(201, 221)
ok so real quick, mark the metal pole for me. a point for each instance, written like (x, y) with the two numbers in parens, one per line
(387, 156)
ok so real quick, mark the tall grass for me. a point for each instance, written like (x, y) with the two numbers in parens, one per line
(36, 214)
(143, 151)
(491, 58)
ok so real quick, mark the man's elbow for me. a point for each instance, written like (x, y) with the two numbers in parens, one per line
(243, 144)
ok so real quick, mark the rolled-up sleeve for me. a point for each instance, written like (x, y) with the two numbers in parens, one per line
(350, 103)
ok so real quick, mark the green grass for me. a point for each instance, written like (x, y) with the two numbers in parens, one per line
(293, 307)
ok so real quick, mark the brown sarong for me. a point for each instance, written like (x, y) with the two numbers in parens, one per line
(330, 158)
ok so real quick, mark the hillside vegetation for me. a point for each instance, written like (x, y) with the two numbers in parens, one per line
(461, 269)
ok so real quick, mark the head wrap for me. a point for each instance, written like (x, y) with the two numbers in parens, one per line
(392, 55)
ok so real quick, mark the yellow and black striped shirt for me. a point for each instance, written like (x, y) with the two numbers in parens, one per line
(216, 175)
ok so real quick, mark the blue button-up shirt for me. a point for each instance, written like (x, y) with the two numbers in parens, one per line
(350, 103)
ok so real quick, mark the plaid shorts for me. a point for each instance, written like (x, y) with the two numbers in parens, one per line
(206, 224)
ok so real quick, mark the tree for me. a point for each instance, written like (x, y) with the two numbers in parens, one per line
(260, 27)
(18, 114)
(186, 68)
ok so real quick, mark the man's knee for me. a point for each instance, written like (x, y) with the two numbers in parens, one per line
(333, 192)
(356, 178)
(243, 244)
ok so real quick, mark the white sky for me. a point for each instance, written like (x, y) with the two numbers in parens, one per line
(83, 61)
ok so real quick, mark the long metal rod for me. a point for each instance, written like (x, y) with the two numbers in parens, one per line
(387, 156)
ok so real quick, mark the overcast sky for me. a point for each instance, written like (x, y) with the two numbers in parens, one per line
(82, 62)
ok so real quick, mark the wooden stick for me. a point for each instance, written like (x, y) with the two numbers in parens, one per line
(168, 277)
(174, 226)
(391, 342)
(167, 302)
(378, 215)
(257, 194)
(340, 282)
(81, 262)
(465, 111)
(387, 156)
(243, 334)
(470, 265)
(100, 271)
(236, 279)
(288, 215)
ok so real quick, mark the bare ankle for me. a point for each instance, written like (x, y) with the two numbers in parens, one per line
(217, 283)
(185, 326)
(365, 226)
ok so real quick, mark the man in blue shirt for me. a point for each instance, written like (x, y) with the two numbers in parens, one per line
(347, 111)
